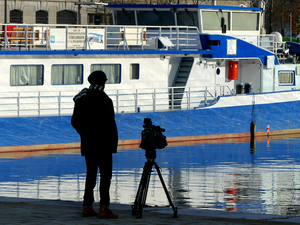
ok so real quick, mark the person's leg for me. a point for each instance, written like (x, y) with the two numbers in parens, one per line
(90, 181)
(105, 179)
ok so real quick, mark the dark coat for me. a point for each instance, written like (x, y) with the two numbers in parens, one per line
(94, 120)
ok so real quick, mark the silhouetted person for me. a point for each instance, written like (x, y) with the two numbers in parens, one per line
(94, 120)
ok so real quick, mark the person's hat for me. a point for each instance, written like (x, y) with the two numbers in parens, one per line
(97, 77)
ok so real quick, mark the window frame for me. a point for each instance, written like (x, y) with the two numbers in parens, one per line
(27, 65)
(207, 24)
(292, 72)
(81, 73)
(108, 75)
(136, 71)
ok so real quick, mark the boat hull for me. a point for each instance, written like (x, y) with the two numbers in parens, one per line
(272, 116)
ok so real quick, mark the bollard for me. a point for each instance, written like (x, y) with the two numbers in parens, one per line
(252, 131)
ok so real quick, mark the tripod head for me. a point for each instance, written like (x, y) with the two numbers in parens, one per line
(150, 154)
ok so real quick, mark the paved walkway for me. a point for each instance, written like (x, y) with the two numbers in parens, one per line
(42, 212)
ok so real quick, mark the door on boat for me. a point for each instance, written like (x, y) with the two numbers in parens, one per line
(249, 72)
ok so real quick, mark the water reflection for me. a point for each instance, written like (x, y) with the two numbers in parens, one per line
(223, 176)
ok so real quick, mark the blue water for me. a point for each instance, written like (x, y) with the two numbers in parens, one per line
(221, 176)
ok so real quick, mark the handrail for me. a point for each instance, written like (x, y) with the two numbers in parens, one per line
(58, 103)
(266, 41)
(96, 37)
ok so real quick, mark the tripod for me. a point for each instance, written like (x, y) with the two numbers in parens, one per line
(141, 195)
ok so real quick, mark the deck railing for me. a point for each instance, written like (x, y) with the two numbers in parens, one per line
(269, 42)
(58, 103)
(104, 37)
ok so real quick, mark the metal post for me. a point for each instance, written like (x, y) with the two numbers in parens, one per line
(177, 38)
(6, 44)
(67, 33)
(136, 100)
(187, 37)
(117, 101)
(26, 38)
(172, 103)
(154, 100)
(86, 43)
(205, 95)
(59, 103)
(189, 98)
(18, 103)
(5, 11)
(47, 39)
(39, 103)
(105, 38)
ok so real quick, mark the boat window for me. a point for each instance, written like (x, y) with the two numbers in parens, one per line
(187, 18)
(26, 75)
(156, 18)
(245, 21)
(286, 77)
(125, 17)
(134, 71)
(66, 74)
(212, 20)
(112, 71)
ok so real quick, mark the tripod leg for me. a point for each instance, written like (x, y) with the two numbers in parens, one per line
(165, 189)
(141, 195)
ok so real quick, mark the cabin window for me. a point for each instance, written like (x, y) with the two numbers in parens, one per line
(134, 71)
(66, 74)
(26, 75)
(156, 18)
(286, 78)
(187, 18)
(212, 20)
(112, 71)
(125, 17)
(245, 21)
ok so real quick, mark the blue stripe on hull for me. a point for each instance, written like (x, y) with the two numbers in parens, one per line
(206, 121)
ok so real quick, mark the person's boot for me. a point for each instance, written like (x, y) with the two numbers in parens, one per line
(105, 212)
(88, 212)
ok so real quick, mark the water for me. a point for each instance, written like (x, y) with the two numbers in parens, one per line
(224, 176)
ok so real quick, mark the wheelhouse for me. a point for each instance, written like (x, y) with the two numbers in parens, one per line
(231, 20)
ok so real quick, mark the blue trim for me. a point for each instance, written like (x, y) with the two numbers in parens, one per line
(263, 93)
(244, 50)
(183, 6)
(110, 52)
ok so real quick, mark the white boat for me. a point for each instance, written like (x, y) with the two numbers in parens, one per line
(199, 71)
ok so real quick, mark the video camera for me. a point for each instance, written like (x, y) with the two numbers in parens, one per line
(152, 136)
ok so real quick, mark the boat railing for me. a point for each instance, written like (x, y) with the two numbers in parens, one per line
(103, 37)
(58, 103)
(269, 42)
